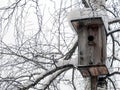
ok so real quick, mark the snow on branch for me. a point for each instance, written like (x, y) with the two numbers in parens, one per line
(114, 31)
(85, 3)
(114, 73)
(56, 71)
(115, 20)
(95, 4)
(52, 77)
(72, 50)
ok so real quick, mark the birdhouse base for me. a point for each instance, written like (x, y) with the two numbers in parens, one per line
(93, 70)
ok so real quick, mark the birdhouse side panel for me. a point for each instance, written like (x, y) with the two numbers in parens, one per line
(98, 48)
(104, 42)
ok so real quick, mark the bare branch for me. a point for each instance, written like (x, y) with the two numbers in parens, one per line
(115, 20)
(112, 32)
(112, 83)
(73, 73)
(114, 73)
(85, 3)
(47, 74)
(70, 53)
(54, 76)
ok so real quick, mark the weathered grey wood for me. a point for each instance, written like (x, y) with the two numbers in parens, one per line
(91, 41)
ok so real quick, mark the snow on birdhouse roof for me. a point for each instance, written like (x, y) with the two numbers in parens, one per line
(88, 13)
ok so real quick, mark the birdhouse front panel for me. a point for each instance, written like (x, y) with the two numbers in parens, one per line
(91, 41)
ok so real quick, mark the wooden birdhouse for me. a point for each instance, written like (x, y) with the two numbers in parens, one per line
(91, 31)
(91, 41)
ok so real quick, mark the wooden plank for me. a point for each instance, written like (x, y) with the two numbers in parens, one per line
(93, 70)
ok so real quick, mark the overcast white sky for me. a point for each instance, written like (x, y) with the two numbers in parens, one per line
(31, 25)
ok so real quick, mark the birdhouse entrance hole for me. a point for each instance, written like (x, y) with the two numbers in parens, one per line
(90, 38)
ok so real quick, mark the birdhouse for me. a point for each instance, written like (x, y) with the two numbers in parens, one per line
(91, 29)
(91, 41)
